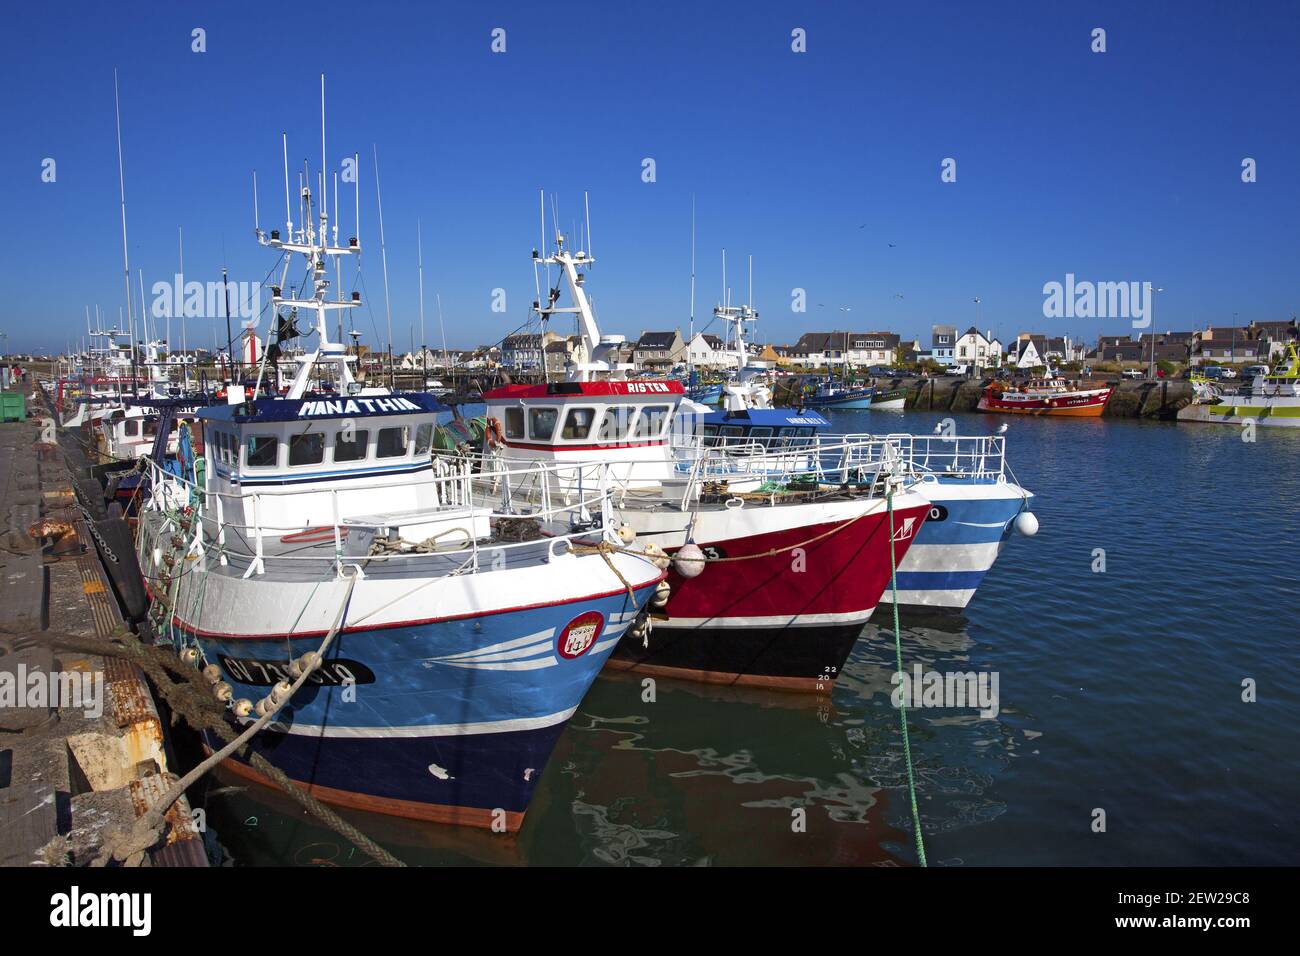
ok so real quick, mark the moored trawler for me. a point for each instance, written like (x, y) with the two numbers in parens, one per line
(408, 646)
(1045, 396)
(790, 565)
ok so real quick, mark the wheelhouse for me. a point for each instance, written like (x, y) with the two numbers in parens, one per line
(323, 455)
(617, 421)
(772, 429)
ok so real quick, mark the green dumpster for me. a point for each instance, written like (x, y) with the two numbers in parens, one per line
(13, 406)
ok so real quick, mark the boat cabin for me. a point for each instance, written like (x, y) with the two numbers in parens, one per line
(615, 421)
(770, 428)
(323, 459)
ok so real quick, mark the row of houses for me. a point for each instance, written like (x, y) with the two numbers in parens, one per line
(1258, 342)
(662, 351)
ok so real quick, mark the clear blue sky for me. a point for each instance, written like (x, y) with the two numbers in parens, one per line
(1117, 166)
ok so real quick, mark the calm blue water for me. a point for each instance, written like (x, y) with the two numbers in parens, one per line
(1119, 690)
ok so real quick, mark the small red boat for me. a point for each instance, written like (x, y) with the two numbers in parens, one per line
(1048, 396)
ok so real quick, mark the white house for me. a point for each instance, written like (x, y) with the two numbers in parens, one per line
(1030, 351)
(977, 349)
(707, 351)
(826, 349)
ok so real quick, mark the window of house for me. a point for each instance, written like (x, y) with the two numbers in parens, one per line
(263, 451)
(577, 424)
(308, 449)
(514, 423)
(423, 439)
(541, 423)
(353, 450)
(392, 442)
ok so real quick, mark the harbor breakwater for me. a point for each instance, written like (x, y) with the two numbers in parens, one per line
(1132, 399)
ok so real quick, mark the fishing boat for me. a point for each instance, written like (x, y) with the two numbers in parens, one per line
(1045, 396)
(440, 641)
(830, 394)
(1271, 400)
(891, 399)
(772, 576)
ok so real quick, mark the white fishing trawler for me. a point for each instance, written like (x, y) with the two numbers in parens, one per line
(445, 639)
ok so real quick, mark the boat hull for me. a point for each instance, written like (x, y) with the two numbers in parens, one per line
(1063, 406)
(441, 697)
(968, 523)
(785, 609)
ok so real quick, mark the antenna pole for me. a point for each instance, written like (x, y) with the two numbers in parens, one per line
(424, 356)
(257, 226)
(121, 187)
(324, 206)
(288, 214)
(587, 206)
(185, 366)
(383, 254)
(689, 363)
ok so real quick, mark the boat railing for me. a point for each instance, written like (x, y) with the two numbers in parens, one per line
(973, 456)
(234, 525)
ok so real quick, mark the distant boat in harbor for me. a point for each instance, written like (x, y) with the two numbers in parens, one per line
(1272, 400)
(1045, 396)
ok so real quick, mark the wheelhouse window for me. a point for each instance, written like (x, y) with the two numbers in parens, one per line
(392, 442)
(514, 423)
(616, 423)
(541, 423)
(150, 427)
(577, 424)
(423, 439)
(652, 421)
(353, 450)
(263, 451)
(130, 428)
(308, 449)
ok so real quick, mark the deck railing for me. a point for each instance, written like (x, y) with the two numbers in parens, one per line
(461, 492)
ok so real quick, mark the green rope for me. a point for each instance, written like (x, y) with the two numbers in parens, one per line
(902, 704)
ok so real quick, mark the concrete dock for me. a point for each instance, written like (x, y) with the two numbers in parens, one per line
(83, 751)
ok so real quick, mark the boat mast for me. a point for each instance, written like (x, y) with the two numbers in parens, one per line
(316, 248)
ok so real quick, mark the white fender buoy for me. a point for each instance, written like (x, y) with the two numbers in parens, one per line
(657, 556)
(281, 691)
(212, 673)
(1027, 524)
(689, 560)
(243, 707)
(662, 593)
(626, 534)
(223, 691)
(190, 655)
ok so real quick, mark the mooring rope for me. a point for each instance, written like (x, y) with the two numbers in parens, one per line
(902, 703)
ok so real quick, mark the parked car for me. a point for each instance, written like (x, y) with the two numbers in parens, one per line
(1254, 371)
(1213, 371)
(957, 370)
(1229, 372)
(881, 371)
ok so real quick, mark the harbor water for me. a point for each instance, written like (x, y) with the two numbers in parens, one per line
(1159, 592)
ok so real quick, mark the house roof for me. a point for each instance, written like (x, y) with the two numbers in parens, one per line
(815, 342)
(657, 340)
